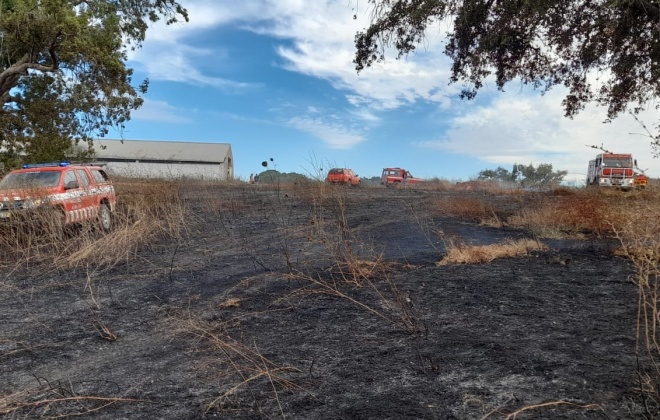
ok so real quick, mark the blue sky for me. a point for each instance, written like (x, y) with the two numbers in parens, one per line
(275, 79)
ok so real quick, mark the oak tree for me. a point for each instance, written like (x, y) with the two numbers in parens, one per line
(525, 175)
(63, 72)
(543, 43)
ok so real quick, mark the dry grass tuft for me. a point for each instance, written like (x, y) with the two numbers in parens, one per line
(237, 366)
(399, 309)
(55, 401)
(231, 303)
(479, 254)
(551, 404)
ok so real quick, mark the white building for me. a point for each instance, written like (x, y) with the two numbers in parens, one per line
(166, 159)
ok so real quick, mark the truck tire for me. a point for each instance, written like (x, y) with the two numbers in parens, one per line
(105, 218)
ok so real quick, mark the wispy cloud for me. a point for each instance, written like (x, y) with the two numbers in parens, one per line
(333, 134)
(366, 115)
(321, 35)
(160, 111)
(163, 62)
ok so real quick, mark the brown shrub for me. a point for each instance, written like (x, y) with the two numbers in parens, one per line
(573, 214)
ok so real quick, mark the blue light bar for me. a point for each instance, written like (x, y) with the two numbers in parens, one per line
(45, 165)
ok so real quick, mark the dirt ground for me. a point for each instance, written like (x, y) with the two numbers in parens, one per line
(251, 317)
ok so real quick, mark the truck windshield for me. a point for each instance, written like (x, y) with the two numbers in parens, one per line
(617, 162)
(30, 180)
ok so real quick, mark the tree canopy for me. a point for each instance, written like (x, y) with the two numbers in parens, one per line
(543, 43)
(526, 175)
(63, 73)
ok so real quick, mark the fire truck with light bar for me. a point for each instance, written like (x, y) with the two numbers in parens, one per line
(73, 193)
(616, 170)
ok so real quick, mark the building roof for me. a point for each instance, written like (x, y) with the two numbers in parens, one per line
(176, 151)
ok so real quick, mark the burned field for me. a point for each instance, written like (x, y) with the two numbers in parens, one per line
(319, 303)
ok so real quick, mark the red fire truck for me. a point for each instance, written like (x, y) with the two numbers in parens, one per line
(73, 193)
(612, 170)
(394, 177)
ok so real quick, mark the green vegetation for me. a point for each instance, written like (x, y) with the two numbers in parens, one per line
(525, 175)
(63, 75)
(541, 43)
(273, 176)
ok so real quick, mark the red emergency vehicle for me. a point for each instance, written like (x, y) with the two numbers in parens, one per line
(394, 177)
(79, 193)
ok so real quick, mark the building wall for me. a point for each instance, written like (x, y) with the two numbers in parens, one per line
(140, 169)
(166, 159)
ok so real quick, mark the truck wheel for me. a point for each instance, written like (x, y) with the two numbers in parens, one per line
(105, 218)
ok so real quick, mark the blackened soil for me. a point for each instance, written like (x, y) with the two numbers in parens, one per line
(252, 317)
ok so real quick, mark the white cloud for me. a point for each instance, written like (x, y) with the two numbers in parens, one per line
(162, 62)
(160, 111)
(366, 115)
(322, 34)
(529, 128)
(333, 134)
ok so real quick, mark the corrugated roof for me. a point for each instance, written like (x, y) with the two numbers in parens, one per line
(162, 150)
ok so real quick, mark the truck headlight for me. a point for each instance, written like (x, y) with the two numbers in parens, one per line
(30, 204)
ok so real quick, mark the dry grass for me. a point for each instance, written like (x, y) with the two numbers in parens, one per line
(231, 303)
(639, 236)
(55, 401)
(553, 404)
(436, 184)
(144, 212)
(235, 365)
(578, 213)
(353, 263)
(559, 213)
(632, 217)
(476, 209)
(480, 254)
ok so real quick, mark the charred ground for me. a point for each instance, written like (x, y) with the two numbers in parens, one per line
(280, 303)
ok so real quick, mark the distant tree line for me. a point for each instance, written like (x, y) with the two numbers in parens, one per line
(524, 175)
